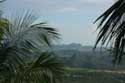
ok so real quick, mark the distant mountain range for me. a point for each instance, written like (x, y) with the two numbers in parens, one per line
(76, 46)
(77, 55)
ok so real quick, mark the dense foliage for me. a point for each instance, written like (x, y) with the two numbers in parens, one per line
(22, 56)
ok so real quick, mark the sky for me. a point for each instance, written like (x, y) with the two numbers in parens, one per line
(73, 18)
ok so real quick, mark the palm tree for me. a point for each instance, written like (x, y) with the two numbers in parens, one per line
(3, 21)
(22, 39)
(45, 68)
(112, 29)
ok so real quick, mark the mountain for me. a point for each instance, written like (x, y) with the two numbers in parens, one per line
(76, 46)
(77, 55)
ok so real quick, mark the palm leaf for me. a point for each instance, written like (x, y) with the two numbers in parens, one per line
(46, 68)
(111, 28)
(22, 37)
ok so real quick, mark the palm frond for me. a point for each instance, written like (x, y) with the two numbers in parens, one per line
(3, 25)
(111, 28)
(21, 38)
(2, 1)
(46, 68)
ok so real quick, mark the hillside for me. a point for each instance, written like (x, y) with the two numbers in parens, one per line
(76, 55)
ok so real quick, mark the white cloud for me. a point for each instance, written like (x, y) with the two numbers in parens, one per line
(85, 35)
(97, 1)
(57, 5)
(68, 9)
(70, 32)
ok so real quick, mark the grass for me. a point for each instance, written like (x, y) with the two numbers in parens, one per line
(81, 75)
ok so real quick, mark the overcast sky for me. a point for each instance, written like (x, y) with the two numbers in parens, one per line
(73, 18)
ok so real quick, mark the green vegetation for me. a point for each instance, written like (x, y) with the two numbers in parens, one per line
(26, 55)
(84, 57)
(80, 75)
(22, 56)
(82, 64)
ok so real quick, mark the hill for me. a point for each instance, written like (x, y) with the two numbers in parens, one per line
(76, 55)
